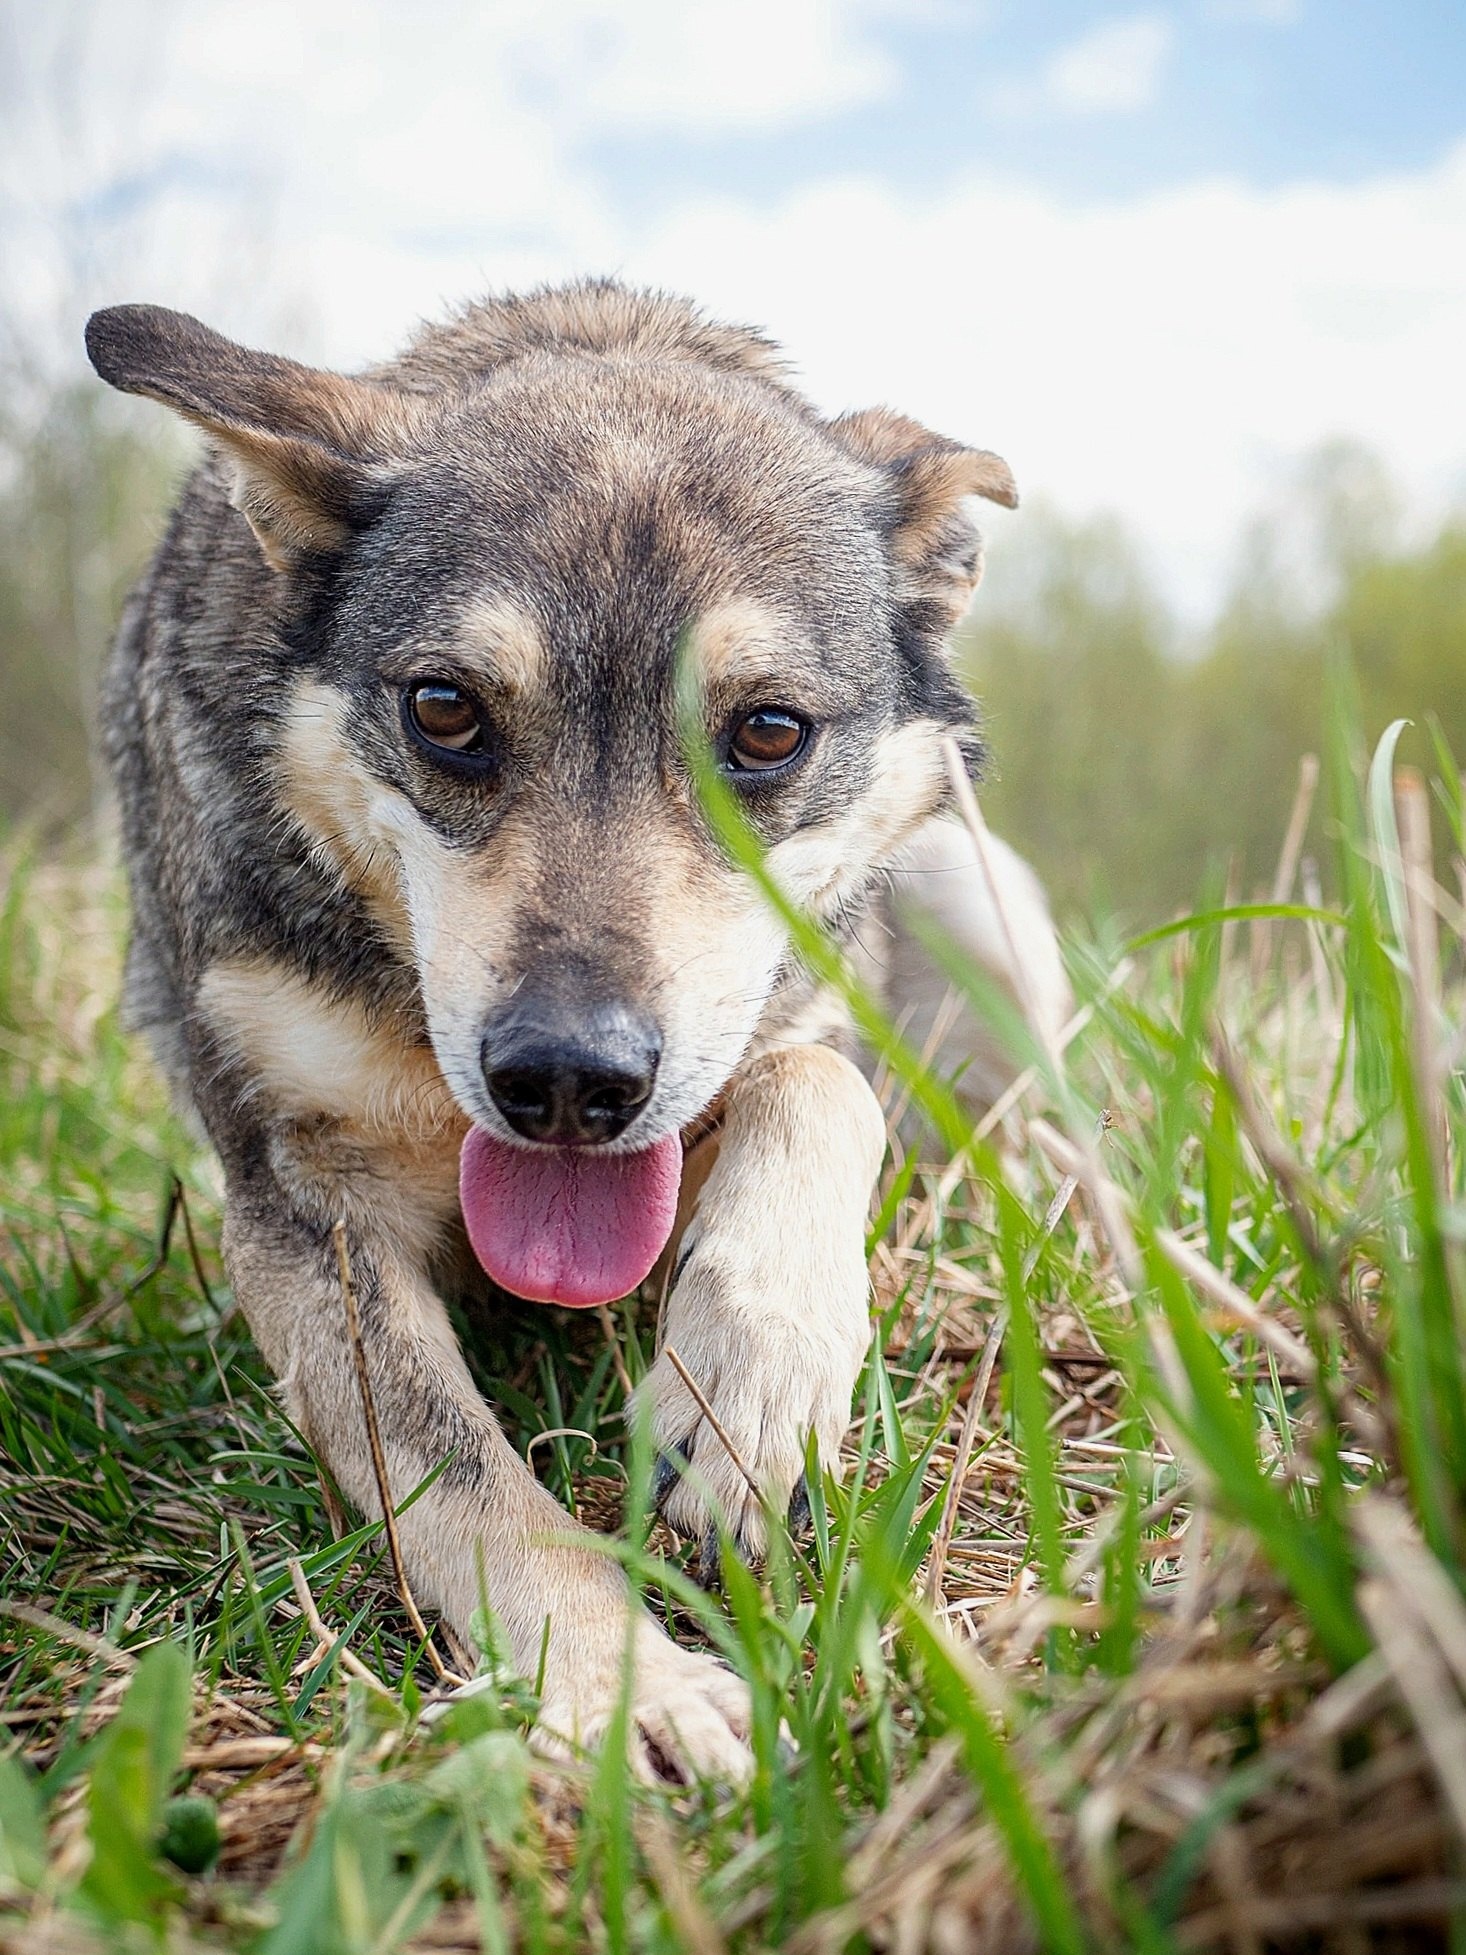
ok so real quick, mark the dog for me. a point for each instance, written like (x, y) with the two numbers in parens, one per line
(432, 931)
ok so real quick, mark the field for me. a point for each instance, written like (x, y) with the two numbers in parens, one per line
(1136, 1623)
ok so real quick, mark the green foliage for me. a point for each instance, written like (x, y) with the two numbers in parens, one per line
(22, 1830)
(1131, 763)
(84, 486)
(131, 1771)
(189, 1836)
(960, 1697)
(1074, 672)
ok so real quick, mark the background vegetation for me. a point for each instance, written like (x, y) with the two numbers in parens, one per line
(1135, 762)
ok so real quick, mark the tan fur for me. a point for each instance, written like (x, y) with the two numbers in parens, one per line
(595, 318)
(294, 436)
(940, 555)
(309, 1058)
(1002, 929)
(503, 1538)
(940, 471)
(452, 913)
(309, 1053)
(714, 951)
(908, 782)
(936, 482)
(770, 1313)
(324, 788)
(503, 644)
(740, 643)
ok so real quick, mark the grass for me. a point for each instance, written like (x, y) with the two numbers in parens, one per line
(1137, 1621)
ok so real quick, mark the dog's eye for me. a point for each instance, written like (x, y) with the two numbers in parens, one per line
(767, 739)
(445, 716)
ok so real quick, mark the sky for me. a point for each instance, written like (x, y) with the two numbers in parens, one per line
(1152, 254)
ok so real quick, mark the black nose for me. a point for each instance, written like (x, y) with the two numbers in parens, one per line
(571, 1081)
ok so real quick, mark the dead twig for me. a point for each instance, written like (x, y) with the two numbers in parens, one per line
(696, 1930)
(1377, 1420)
(193, 1248)
(248, 1754)
(673, 1358)
(1233, 1302)
(348, 1659)
(67, 1632)
(608, 1325)
(942, 1546)
(1422, 953)
(379, 1460)
(1083, 1164)
(1287, 870)
(1424, 1684)
(1054, 1213)
(85, 1324)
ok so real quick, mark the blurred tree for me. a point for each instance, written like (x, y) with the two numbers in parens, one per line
(1132, 768)
(83, 493)
(1071, 663)
(86, 172)
(1403, 618)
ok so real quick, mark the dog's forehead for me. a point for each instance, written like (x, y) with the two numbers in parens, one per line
(616, 419)
(569, 539)
(598, 491)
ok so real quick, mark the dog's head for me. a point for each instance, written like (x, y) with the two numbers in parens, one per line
(500, 565)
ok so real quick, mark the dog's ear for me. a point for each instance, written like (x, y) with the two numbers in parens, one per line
(311, 450)
(936, 545)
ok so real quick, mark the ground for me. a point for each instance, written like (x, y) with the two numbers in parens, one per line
(1136, 1622)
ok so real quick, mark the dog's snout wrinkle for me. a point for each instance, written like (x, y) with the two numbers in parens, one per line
(571, 1080)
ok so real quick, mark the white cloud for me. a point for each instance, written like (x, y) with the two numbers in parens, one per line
(719, 64)
(373, 133)
(1113, 70)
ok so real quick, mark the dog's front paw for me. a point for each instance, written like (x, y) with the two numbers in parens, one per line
(771, 1370)
(690, 1716)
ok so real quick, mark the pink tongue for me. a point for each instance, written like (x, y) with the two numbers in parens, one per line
(568, 1224)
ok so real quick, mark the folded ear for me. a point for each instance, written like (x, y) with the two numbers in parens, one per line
(935, 543)
(310, 449)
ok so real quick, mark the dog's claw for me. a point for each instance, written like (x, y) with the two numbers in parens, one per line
(800, 1514)
(709, 1561)
(665, 1476)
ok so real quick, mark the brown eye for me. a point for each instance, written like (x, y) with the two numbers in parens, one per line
(767, 739)
(445, 716)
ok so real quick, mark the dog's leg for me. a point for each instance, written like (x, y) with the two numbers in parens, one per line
(769, 1311)
(485, 1525)
(996, 917)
